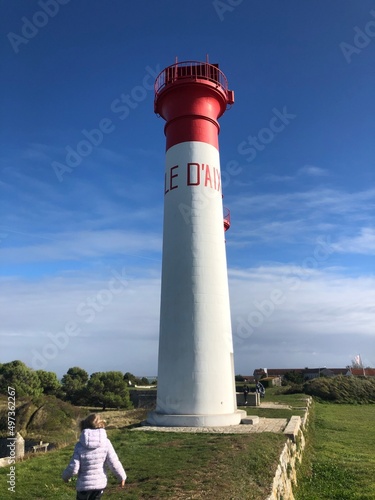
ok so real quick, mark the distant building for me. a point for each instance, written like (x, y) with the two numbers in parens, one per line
(362, 372)
(249, 379)
(307, 373)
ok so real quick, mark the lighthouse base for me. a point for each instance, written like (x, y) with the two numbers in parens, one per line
(223, 420)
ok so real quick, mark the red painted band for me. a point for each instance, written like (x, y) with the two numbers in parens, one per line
(191, 110)
(192, 128)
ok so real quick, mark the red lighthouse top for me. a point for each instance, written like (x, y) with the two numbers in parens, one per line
(191, 96)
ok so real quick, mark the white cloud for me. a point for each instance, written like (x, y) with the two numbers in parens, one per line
(312, 171)
(307, 170)
(118, 321)
(282, 314)
(320, 317)
(301, 217)
(82, 245)
(363, 243)
(332, 201)
(278, 178)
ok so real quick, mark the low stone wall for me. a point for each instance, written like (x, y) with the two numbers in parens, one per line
(147, 398)
(286, 474)
(252, 399)
(143, 399)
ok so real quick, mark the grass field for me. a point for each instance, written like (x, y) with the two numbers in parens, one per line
(164, 465)
(339, 460)
(168, 465)
(272, 412)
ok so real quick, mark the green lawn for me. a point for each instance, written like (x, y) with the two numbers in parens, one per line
(274, 395)
(169, 465)
(339, 461)
(164, 465)
(271, 412)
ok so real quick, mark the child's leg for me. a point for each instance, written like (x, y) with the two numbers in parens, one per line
(89, 495)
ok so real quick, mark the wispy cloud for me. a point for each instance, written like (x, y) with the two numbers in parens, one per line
(37, 311)
(315, 309)
(312, 171)
(278, 178)
(317, 306)
(362, 243)
(305, 171)
(299, 217)
(81, 246)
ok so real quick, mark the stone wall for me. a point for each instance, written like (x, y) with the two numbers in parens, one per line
(147, 398)
(253, 399)
(286, 474)
(143, 399)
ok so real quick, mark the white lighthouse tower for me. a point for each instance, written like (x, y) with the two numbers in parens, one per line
(196, 384)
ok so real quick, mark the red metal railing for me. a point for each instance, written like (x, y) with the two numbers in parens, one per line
(192, 70)
(226, 213)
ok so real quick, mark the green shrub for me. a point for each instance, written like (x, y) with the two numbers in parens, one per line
(342, 389)
(293, 389)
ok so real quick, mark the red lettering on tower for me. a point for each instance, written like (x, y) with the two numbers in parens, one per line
(217, 177)
(169, 183)
(207, 178)
(172, 176)
(165, 184)
(193, 174)
(211, 175)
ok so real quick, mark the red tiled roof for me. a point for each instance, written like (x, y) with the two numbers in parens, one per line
(367, 372)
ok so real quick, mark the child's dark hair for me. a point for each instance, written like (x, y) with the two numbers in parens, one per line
(93, 421)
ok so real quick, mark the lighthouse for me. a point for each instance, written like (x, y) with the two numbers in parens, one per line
(196, 385)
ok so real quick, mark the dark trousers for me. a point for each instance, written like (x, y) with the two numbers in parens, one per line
(89, 495)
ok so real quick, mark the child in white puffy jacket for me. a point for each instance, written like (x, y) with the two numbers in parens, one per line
(93, 454)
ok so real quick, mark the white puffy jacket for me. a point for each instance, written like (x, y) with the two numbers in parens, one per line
(93, 454)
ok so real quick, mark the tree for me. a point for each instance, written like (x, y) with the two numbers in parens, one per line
(22, 378)
(74, 385)
(132, 380)
(108, 389)
(129, 377)
(49, 382)
(294, 377)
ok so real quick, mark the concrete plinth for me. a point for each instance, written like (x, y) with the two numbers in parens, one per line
(162, 419)
(252, 399)
(250, 420)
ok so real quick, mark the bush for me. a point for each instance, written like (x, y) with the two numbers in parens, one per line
(266, 382)
(342, 389)
(42, 415)
(293, 389)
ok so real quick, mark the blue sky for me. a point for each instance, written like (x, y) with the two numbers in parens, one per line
(81, 234)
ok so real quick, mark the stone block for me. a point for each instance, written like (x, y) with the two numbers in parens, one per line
(250, 420)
